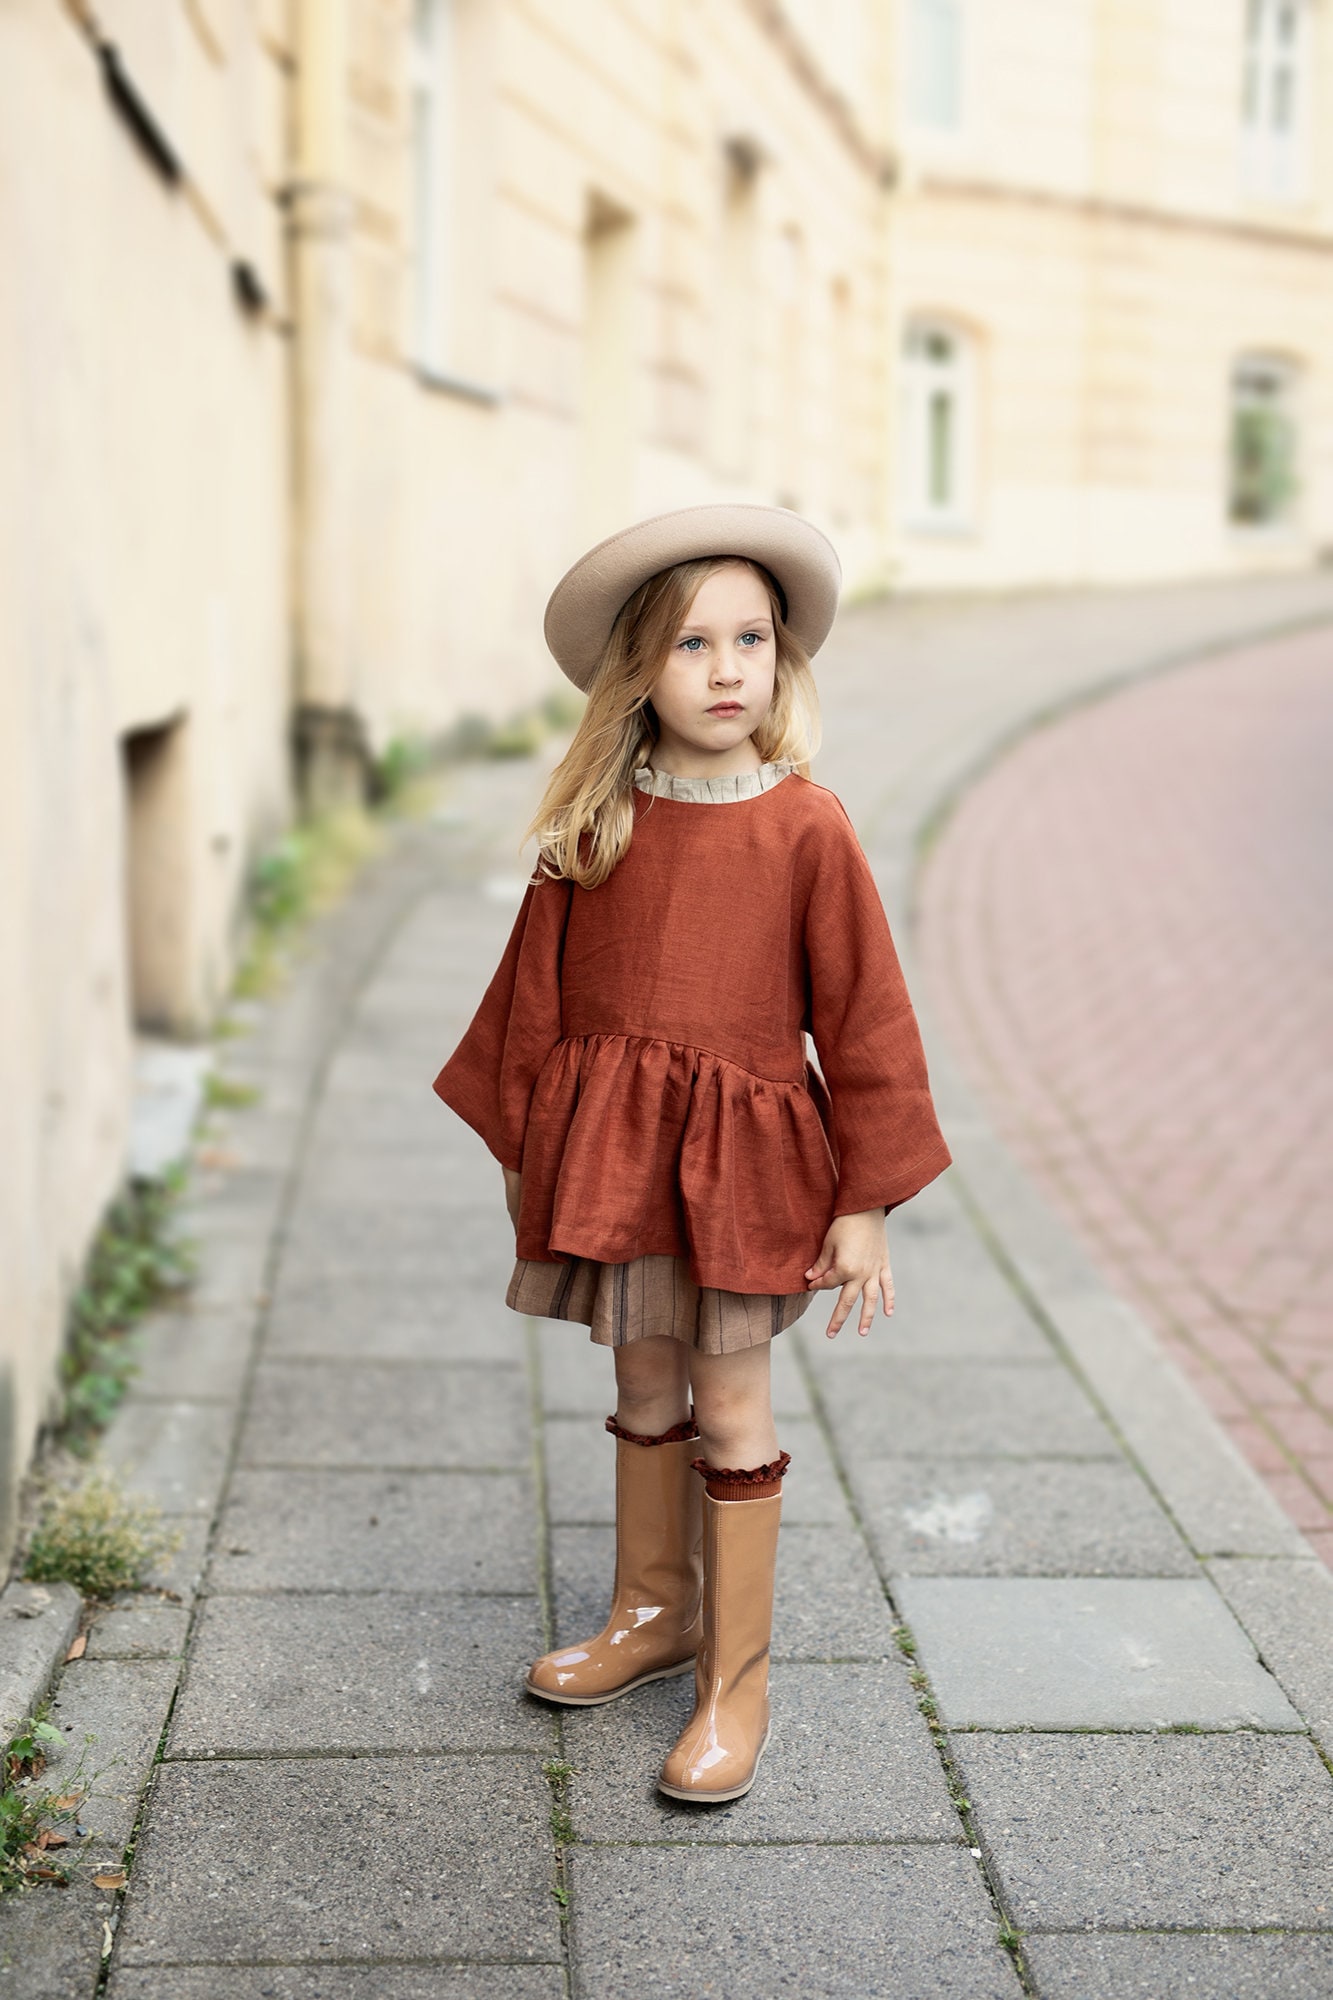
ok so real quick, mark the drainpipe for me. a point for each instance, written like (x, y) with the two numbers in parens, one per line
(328, 734)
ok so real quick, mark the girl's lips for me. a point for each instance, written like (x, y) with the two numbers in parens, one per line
(726, 708)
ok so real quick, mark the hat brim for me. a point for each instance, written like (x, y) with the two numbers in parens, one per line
(585, 603)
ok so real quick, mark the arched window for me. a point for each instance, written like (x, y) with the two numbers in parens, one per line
(939, 417)
(1264, 468)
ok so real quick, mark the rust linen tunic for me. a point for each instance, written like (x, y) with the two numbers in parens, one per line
(639, 1055)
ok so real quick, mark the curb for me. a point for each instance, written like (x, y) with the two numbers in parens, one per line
(1273, 1582)
(37, 1623)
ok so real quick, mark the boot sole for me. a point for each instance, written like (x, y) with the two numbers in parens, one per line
(717, 1798)
(599, 1700)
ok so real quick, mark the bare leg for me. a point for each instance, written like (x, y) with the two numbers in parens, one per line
(733, 1406)
(652, 1385)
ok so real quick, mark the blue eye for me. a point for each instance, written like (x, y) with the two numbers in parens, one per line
(692, 644)
(757, 637)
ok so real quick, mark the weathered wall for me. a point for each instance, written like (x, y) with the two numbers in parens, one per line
(143, 556)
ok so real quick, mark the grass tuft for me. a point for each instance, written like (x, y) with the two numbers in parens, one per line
(98, 1538)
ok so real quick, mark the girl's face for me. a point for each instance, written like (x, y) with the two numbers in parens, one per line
(717, 684)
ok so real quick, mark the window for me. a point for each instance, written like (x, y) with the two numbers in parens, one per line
(934, 68)
(937, 425)
(1273, 91)
(1264, 474)
(431, 149)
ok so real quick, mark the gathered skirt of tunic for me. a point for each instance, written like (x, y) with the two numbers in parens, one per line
(650, 1295)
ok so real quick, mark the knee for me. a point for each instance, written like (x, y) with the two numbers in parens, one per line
(649, 1369)
(727, 1414)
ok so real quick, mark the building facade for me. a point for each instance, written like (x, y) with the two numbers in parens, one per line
(1110, 262)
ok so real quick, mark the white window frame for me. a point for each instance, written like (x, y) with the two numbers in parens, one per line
(924, 22)
(430, 83)
(1283, 373)
(1276, 83)
(928, 380)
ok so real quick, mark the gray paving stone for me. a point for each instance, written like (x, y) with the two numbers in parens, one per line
(414, 1171)
(468, 1237)
(273, 1859)
(311, 1413)
(140, 1632)
(232, 1272)
(1219, 1500)
(194, 1355)
(173, 1452)
(51, 1938)
(991, 1517)
(1154, 1832)
(485, 1981)
(385, 1672)
(177, 1574)
(425, 1531)
(1287, 1609)
(357, 1322)
(828, 1604)
(821, 1923)
(1148, 1966)
(122, 1705)
(893, 1407)
(1093, 1652)
(473, 1319)
(850, 1760)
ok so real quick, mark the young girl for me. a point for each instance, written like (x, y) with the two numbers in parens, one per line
(680, 1176)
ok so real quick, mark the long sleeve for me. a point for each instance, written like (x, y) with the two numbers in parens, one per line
(888, 1140)
(488, 1079)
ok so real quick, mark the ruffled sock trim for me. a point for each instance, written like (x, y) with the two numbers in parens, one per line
(681, 1433)
(756, 1482)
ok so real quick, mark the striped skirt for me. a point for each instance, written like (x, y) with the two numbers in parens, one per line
(650, 1295)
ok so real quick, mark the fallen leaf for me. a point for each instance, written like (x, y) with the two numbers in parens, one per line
(48, 1837)
(78, 1647)
(68, 1803)
(56, 1875)
(114, 1878)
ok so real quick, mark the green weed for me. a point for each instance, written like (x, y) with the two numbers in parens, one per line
(134, 1263)
(98, 1538)
(31, 1820)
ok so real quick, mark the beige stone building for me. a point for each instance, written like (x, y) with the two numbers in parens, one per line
(1110, 258)
(333, 330)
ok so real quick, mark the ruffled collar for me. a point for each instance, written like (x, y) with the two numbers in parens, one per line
(712, 791)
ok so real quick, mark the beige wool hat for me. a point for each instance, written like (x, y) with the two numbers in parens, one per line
(585, 603)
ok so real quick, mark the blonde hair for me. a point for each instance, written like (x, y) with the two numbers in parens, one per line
(585, 821)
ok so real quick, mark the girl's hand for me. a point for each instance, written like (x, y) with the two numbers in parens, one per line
(513, 1194)
(855, 1257)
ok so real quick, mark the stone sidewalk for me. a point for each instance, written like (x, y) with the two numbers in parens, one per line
(1053, 1676)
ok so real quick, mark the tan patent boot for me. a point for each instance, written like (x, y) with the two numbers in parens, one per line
(654, 1625)
(717, 1754)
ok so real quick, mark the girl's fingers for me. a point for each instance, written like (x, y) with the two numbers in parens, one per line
(886, 1291)
(846, 1297)
(867, 1308)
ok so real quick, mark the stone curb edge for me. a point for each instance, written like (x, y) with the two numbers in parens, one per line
(37, 1623)
(1269, 1576)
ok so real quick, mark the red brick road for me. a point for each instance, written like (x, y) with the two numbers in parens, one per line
(1127, 930)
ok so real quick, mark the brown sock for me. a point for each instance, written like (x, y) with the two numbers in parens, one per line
(678, 1434)
(759, 1482)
